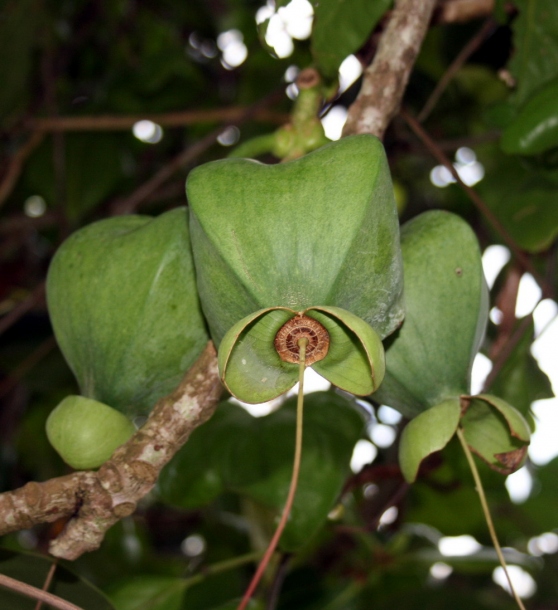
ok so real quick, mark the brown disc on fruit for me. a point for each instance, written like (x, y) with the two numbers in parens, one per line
(288, 336)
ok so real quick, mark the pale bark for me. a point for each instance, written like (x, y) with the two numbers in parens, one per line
(386, 78)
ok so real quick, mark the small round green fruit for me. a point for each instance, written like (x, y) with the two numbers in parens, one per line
(85, 432)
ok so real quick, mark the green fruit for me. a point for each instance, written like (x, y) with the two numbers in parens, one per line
(535, 129)
(124, 307)
(85, 432)
(429, 359)
(319, 235)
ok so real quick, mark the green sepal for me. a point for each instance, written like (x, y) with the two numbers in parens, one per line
(253, 372)
(320, 230)
(123, 302)
(428, 432)
(430, 358)
(249, 365)
(355, 361)
(86, 432)
(496, 432)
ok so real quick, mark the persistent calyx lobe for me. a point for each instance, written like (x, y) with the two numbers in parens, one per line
(318, 236)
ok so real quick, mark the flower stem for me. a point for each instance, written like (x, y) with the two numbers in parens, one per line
(487, 515)
(294, 480)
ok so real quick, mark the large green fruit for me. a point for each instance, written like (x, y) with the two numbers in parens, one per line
(124, 306)
(429, 359)
(316, 238)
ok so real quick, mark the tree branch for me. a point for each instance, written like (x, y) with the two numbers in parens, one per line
(95, 501)
(169, 119)
(385, 79)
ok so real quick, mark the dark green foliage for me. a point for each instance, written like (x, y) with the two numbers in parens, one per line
(253, 457)
(84, 60)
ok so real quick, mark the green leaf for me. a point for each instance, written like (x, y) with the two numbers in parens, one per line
(341, 27)
(318, 231)
(149, 592)
(535, 128)
(530, 213)
(535, 60)
(331, 428)
(428, 432)
(523, 199)
(33, 569)
(429, 359)
(540, 508)
(254, 457)
(192, 478)
(496, 432)
(123, 303)
(520, 381)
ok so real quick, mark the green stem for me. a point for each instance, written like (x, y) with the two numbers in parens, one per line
(347, 595)
(294, 480)
(254, 147)
(221, 566)
(487, 515)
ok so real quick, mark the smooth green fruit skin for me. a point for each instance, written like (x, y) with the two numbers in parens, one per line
(124, 306)
(85, 432)
(319, 231)
(535, 129)
(429, 359)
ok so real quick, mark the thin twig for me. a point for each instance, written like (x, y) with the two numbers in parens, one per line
(130, 203)
(35, 593)
(170, 119)
(506, 302)
(146, 190)
(277, 584)
(23, 307)
(466, 52)
(222, 566)
(47, 583)
(394, 499)
(16, 165)
(487, 515)
(479, 203)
